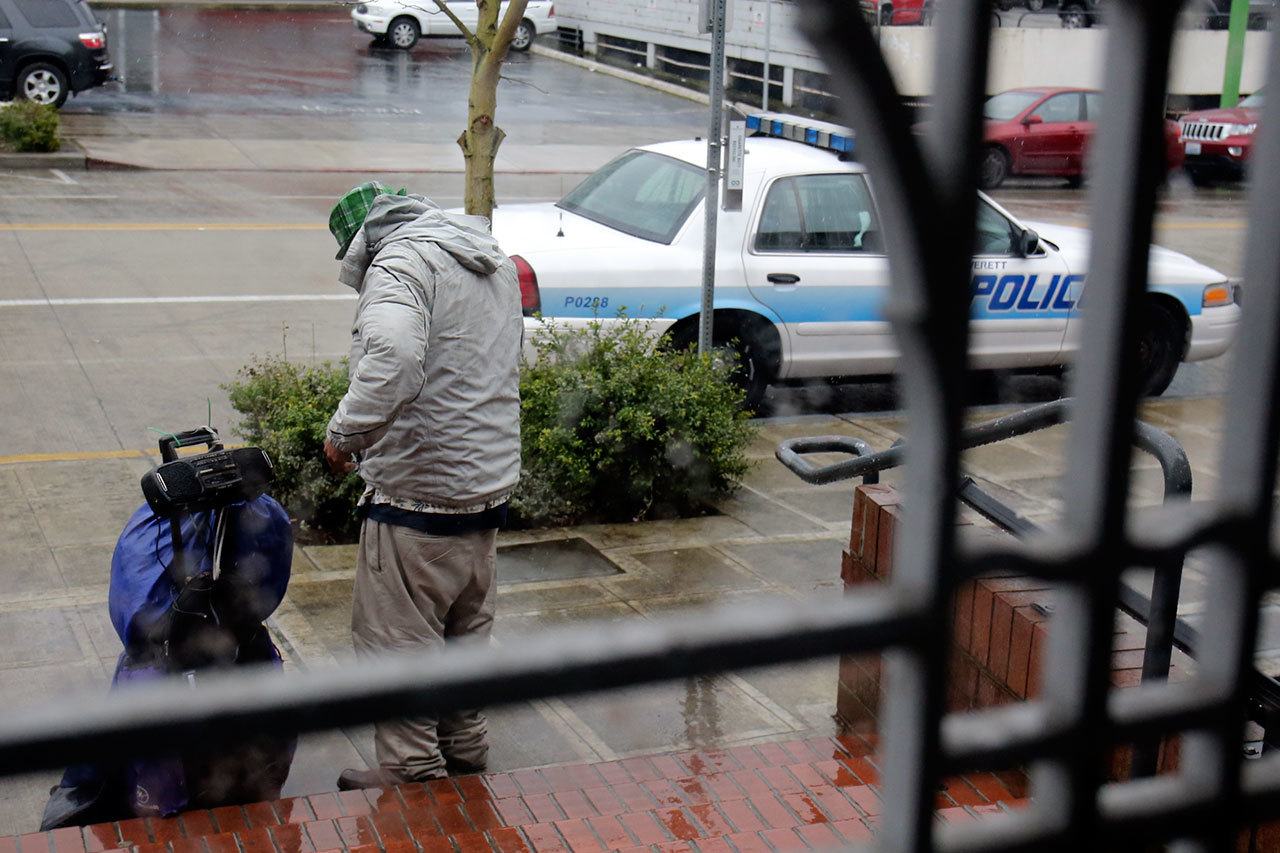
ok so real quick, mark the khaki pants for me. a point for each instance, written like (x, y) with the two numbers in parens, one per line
(416, 591)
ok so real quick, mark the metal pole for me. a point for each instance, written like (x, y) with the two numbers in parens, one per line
(1237, 24)
(711, 198)
(768, 35)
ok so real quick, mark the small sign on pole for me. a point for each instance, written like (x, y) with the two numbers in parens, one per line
(735, 163)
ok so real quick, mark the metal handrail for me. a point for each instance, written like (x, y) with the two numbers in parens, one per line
(1159, 612)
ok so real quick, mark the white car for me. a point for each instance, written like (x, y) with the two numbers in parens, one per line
(801, 273)
(402, 22)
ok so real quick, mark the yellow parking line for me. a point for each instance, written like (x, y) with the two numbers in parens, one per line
(73, 456)
(161, 226)
(93, 455)
(1202, 225)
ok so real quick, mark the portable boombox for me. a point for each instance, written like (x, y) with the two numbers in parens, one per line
(207, 480)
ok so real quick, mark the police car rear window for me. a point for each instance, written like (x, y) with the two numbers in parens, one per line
(643, 194)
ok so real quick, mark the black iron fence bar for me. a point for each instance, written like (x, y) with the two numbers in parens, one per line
(1159, 612)
(1127, 172)
(1173, 461)
(924, 202)
(1010, 735)
(136, 721)
(153, 720)
(930, 203)
(1175, 632)
(1251, 427)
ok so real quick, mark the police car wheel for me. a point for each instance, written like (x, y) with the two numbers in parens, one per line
(1159, 349)
(744, 345)
(995, 168)
(752, 375)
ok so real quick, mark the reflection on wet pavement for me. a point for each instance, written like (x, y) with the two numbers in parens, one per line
(57, 641)
(305, 74)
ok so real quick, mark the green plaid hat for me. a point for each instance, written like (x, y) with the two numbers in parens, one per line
(349, 213)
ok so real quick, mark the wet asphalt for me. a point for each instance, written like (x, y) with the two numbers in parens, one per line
(96, 377)
(295, 64)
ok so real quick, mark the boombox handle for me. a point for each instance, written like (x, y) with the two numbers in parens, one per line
(169, 446)
(200, 435)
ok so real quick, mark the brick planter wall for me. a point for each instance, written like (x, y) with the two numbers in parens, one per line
(1000, 627)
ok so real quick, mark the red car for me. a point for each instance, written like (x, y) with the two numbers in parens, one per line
(898, 12)
(1047, 131)
(1217, 142)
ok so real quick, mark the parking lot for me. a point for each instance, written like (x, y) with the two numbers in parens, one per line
(132, 295)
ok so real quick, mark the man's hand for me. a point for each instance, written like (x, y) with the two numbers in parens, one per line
(338, 462)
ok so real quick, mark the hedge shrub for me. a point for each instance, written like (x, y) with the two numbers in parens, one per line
(613, 428)
(28, 126)
(616, 428)
(286, 409)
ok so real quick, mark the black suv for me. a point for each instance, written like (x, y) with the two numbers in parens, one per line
(50, 49)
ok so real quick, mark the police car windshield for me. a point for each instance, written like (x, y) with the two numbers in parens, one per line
(1254, 100)
(1006, 105)
(643, 194)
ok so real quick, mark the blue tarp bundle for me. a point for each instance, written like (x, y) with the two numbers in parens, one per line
(251, 583)
(256, 574)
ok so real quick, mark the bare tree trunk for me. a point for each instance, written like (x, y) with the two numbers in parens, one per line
(482, 136)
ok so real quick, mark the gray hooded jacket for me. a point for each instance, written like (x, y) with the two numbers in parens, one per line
(434, 402)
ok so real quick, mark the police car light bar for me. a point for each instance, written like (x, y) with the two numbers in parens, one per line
(820, 134)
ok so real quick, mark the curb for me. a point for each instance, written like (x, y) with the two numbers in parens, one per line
(71, 156)
(623, 74)
(97, 164)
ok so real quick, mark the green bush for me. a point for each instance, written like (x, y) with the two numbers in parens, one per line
(615, 428)
(29, 127)
(286, 409)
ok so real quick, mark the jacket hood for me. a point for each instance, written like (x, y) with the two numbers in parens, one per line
(413, 217)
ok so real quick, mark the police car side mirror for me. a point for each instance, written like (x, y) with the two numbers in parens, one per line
(1028, 243)
(1032, 119)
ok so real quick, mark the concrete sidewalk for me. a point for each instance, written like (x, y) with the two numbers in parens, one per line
(777, 539)
(240, 143)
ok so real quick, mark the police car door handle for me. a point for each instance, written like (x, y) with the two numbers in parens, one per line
(783, 278)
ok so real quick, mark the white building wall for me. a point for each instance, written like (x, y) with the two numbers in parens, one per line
(1021, 56)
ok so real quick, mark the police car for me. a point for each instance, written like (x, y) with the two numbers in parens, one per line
(801, 272)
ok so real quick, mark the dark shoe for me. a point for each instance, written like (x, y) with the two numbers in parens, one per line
(351, 780)
(462, 768)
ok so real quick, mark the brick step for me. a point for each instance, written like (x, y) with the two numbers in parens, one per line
(767, 796)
